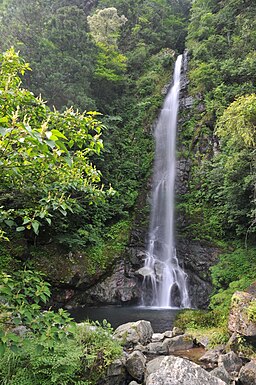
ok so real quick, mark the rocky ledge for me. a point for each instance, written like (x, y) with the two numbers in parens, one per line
(164, 359)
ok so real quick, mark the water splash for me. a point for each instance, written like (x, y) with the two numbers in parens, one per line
(164, 280)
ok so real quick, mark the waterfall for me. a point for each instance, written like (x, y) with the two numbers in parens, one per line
(164, 282)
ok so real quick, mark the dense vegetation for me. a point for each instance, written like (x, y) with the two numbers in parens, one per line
(54, 199)
(220, 140)
(71, 177)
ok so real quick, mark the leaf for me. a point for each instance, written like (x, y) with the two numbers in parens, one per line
(58, 134)
(3, 131)
(14, 348)
(48, 220)
(4, 119)
(21, 228)
(39, 348)
(9, 222)
(35, 225)
(69, 161)
(48, 134)
(2, 348)
(50, 143)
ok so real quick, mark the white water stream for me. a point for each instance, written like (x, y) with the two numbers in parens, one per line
(164, 280)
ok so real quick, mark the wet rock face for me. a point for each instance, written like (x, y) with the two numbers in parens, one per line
(196, 258)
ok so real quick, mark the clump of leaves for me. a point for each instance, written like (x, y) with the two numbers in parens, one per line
(21, 297)
(81, 360)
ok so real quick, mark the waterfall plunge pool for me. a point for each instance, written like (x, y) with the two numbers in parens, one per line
(161, 319)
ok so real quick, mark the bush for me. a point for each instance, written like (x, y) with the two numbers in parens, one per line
(81, 360)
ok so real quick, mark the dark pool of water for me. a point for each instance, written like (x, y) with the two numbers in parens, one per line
(161, 319)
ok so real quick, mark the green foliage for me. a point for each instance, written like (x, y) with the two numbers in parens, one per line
(235, 271)
(54, 38)
(100, 349)
(209, 324)
(105, 25)
(243, 263)
(82, 360)
(111, 65)
(251, 311)
(238, 122)
(21, 297)
(44, 156)
(103, 254)
(189, 319)
(221, 198)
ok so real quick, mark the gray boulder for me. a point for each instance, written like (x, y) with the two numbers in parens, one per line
(157, 337)
(116, 373)
(153, 365)
(210, 358)
(231, 362)
(182, 342)
(136, 364)
(132, 333)
(178, 371)
(247, 375)
(156, 348)
(221, 373)
(239, 322)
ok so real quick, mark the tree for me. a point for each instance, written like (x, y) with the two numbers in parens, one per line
(44, 156)
(105, 25)
(238, 122)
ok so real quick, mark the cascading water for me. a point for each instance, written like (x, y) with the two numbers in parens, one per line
(164, 280)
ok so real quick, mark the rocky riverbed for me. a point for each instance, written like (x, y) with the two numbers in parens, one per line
(174, 358)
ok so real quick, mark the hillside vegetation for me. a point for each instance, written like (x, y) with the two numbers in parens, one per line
(73, 168)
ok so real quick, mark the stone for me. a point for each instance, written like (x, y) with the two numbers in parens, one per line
(231, 362)
(183, 342)
(168, 334)
(247, 375)
(133, 383)
(178, 371)
(153, 365)
(157, 337)
(133, 333)
(176, 332)
(221, 373)
(136, 364)
(239, 321)
(116, 373)
(156, 348)
(211, 357)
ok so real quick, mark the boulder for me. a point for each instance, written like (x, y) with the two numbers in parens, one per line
(221, 373)
(211, 357)
(156, 348)
(157, 337)
(133, 383)
(133, 333)
(116, 373)
(183, 342)
(239, 321)
(153, 365)
(247, 375)
(178, 371)
(231, 362)
(136, 364)
(175, 332)
(168, 334)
